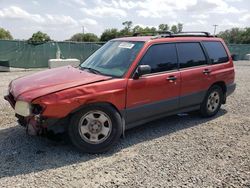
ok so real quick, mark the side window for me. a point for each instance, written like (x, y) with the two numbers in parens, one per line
(216, 52)
(190, 54)
(161, 57)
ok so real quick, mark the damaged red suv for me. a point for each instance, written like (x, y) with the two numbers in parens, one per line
(127, 82)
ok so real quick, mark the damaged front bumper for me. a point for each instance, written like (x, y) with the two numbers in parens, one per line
(34, 125)
(39, 125)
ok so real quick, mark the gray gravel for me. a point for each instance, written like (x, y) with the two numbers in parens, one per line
(185, 151)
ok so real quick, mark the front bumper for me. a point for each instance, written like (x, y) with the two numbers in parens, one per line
(34, 125)
(10, 98)
(39, 125)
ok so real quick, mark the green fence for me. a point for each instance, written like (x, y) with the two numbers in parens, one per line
(240, 50)
(20, 54)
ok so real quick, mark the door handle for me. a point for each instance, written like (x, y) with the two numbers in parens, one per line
(171, 78)
(206, 71)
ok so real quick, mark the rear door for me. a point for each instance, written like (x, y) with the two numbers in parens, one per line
(195, 73)
(158, 92)
(221, 67)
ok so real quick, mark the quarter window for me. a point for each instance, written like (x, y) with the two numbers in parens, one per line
(161, 57)
(190, 54)
(216, 52)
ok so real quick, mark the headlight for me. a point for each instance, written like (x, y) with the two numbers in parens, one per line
(23, 108)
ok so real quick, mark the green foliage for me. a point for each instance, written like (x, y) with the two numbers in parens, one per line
(245, 36)
(138, 29)
(174, 29)
(5, 34)
(144, 31)
(39, 38)
(129, 30)
(236, 35)
(109, 34)
(179, 27)
(163, 27)
(87, 37)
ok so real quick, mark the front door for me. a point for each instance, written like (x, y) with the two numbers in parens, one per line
(158, 92)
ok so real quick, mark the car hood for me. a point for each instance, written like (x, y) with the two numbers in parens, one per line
(50, 81)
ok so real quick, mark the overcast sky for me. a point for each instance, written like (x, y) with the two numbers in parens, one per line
(63, 18)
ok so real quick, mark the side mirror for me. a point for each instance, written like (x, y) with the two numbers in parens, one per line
(142, 70)
(234, 57)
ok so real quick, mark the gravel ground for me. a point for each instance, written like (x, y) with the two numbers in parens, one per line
(179, 151)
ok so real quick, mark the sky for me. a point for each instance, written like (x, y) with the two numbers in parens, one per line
(60, 19)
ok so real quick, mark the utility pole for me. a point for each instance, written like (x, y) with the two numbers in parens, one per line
(215, 26)
(82, 29)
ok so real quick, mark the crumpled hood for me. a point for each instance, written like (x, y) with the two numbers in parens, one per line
(49, 81)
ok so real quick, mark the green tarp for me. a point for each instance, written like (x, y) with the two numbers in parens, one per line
(240, 50)
(20, 54)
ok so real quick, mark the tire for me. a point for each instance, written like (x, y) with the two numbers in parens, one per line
(95, 129)
(212, 102)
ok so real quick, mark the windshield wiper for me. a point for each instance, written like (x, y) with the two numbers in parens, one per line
(91, 70)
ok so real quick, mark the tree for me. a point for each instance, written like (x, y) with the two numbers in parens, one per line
(245, 36)
(138, 29)
(179, 27)
(174, 29)
(39, 37)
(127, 28)
(236, 35)
(90, 37)
(144, 31)
(163, 27)
(87, 37)
(109, 34)
(149, 30)
(128, 25)
(5, 34)
(77, 37)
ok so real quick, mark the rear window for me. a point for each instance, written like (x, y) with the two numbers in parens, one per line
(216, 52)
(190, 55)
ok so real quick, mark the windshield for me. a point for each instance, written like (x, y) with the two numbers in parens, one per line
(113, 59)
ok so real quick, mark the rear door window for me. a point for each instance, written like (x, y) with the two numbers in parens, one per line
(216, 52)
(161, 57)
(190, 54)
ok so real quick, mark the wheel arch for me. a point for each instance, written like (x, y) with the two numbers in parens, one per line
(223, 86)
(102, 103)
(95, 103)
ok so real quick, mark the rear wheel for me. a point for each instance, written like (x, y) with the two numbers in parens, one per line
(95, 129)
(212, 102)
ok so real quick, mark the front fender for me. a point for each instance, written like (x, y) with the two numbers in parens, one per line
(60, 104)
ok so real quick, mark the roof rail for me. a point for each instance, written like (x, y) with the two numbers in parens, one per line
(207, 34)
(165, 34)
(169, 33)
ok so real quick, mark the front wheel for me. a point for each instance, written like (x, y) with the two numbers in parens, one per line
(95, 129)
(212, 102)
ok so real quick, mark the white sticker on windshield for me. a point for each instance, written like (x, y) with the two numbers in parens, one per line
(127, 45)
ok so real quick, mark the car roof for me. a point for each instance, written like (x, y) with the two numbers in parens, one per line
(139, 38)
(167, 39)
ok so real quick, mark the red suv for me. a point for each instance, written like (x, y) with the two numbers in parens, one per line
(127, 82)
